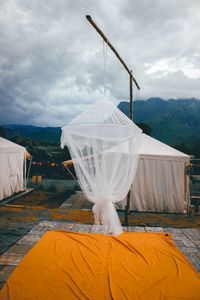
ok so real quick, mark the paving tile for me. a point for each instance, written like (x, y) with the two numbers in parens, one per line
(189, 251)
(65, 206)
(193, 261)
(154, 229)
(76, 200)
(29, 240)
(136, 229)
(36, 229)
(176, 231)
(194, 235)
(6, 272)
(44, 230)
(97, 229)
(197, 244)
(125, 228)
(177, 236)
(47, 223)
(81, 228)
(187, 242)
(192, 230)
(43, 227)
(19, 249)
(64, 226)
(11, 259)
(179, 243)
(197, 257)
(86, 228)
(40, 230)
(71, 226)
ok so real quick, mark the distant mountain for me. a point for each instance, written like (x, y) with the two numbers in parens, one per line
(172, 121)
(45, 134)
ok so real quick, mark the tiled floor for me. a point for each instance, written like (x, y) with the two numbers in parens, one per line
(22, 226)
(186, 239)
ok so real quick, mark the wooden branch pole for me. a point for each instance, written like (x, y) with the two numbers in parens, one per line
(127, 207)
(112, 48)
(132, 79)
(131, 99)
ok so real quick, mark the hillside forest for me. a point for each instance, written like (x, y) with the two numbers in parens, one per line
(174, 122)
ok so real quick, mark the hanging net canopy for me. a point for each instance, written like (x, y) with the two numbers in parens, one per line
(104, 145)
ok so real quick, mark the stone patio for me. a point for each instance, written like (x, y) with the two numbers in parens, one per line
(186, 239)
(22, 226)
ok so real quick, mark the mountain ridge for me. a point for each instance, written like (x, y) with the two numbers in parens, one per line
(45, 134)
(173, 121)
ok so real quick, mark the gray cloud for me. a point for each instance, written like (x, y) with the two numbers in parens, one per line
(51, 59)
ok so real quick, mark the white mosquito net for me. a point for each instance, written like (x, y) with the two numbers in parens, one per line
(104, 145)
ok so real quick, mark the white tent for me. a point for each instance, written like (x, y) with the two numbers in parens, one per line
(161, 183)
(12, 168)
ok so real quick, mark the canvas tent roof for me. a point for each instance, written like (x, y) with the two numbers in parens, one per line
(12, 170)
(157, 150)
(152, 149)
(161, 183)
(8, 146)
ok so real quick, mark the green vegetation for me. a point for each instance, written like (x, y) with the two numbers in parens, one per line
(2, 132)
(54, 185)
(174, 122)
(47, 160)
(43, 151)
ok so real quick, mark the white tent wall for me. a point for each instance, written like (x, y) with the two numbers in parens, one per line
(12, 168)
(161, 183)
(160, 186)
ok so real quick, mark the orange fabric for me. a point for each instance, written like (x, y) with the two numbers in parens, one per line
(69, 265)
(68, 163)
(28, 156)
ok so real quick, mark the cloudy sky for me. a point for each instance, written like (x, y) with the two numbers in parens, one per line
(52, 62)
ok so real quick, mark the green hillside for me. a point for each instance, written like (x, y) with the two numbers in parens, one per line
(172, 121)
(43, 134)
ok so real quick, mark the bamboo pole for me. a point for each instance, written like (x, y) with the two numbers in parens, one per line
(132, 79)
(112, 48)
(131, 99)
(185, 186)
(25, 170)
(127, 207)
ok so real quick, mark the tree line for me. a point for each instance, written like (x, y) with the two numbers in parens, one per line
(43, 151)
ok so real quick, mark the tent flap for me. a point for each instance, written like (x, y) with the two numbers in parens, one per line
(12, 168)
(159, 186)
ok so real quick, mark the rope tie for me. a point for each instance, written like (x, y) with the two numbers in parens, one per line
(71, 174)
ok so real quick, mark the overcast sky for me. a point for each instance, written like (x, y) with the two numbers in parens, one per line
(52, 64)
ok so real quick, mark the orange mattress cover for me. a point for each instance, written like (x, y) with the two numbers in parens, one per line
(68, 265)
